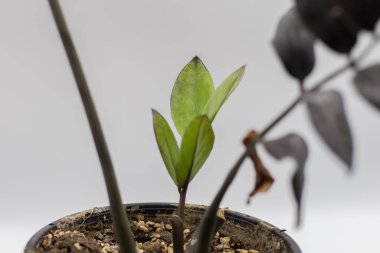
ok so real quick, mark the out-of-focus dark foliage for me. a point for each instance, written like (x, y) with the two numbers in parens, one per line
(329, 21)
(337, 22)
(294, 146)
(367, 81)
(365, 13)
(294, 45)
(329, 119)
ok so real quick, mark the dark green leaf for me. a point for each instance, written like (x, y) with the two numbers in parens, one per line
(294, 146)
(222, 93)
(294, 45)
(367, 81)
(330, 21)
(191, 92)
(167, 144)
(197, 143)
(329, 119)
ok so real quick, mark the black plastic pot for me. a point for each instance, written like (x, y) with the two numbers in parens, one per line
(258, 230)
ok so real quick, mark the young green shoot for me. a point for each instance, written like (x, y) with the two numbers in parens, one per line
(194, 105)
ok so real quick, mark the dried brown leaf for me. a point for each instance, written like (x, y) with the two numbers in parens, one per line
(264, 179)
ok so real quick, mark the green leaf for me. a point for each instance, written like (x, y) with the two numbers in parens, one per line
(222, 93)
(167, 143)
(191, 91)
(197, 143)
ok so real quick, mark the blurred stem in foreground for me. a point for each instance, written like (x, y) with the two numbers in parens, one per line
(119, 217)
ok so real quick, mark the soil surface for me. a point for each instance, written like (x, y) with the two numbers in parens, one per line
(152, 234)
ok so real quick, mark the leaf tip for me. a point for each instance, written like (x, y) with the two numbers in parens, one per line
(196, 59)
(348, 162)
(155, 113)
(242, 68)
(350, 168)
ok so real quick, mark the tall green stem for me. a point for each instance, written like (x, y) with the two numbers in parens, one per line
(119, 217)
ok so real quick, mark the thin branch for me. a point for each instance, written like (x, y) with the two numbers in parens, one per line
(302, 86)
(318, 85)
(280, 117)
(119, 217)
(290, 108)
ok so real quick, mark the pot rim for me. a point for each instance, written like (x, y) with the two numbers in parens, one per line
(157, 206)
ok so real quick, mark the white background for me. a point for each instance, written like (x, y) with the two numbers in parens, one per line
(132, 52)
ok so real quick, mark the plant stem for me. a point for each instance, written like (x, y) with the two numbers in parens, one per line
(182, 202)
(177, 233)
(177, 221)
(119, 217)
(318, 85)
(280, 117)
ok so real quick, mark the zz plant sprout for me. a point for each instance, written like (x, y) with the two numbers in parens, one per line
(195, 103)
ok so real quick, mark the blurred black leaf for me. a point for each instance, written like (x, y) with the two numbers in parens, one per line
(366, 13)
(330, 21)
(329, 118)
(367, 81)
(294, 45)
(294, 146)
